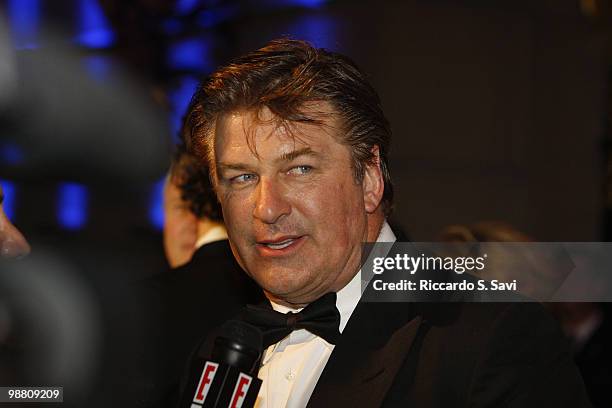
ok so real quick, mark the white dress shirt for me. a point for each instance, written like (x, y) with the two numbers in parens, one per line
(217, 233)
(291, 368)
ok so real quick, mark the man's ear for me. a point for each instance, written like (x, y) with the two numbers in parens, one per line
(373, 183)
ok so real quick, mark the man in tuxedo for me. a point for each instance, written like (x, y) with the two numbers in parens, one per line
(297, 146)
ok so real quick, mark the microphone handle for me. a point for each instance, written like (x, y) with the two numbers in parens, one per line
(215, 385)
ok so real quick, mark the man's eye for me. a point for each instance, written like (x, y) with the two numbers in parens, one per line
(243, 178)
(299, 170)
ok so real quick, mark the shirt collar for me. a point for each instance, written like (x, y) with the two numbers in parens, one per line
(216, 233)
(349, 296)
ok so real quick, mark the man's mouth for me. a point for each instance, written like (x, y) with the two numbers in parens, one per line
(279, 246)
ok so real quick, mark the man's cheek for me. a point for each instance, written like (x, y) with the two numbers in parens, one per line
(317, 203)
(233, 213)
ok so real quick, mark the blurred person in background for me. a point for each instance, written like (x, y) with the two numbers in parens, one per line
(585, 324)
(539, 277)
(485, 231)
(192, 216)
(12, 242)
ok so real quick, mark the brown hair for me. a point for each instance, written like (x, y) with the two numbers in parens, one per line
(193, 180)
(285, 76)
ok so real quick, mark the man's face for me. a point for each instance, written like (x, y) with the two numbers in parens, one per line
(295, 214)
(12, 243)
(180, 227)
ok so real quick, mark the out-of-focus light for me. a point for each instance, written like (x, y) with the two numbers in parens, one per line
(24, 18)
(94, 29)
(191, 54)
(214, 16)
(8, 205)
(320, 30)
(100, 67)
(306, 3)
(185, 6)
(172, 26)
(293, 3)
(179, 101)
(11, 154)
(72, 205)
(156, 205)
(209, 18)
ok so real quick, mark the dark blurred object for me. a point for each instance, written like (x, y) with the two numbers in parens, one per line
(49, 325)
(587, 325)
(67, 314)
(73, 127)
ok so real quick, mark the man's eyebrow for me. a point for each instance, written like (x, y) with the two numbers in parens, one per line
(231, 166)
(289, 156)
(285, 157)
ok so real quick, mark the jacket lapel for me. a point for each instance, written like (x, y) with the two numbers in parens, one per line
(368, 356)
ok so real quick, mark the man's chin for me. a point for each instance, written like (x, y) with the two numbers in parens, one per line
(289, 292)
(283, 291)
(291, 300)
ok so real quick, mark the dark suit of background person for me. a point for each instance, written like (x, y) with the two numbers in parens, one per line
(585, 325)
(184, 304)
(588, 327)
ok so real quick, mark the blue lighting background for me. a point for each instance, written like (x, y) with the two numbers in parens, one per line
(191, 42)
(72, 205)
(8, 204)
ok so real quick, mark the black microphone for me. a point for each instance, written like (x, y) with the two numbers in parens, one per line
(228, 378)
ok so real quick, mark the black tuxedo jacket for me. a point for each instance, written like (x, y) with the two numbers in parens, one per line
(453, 351)
(450, 355)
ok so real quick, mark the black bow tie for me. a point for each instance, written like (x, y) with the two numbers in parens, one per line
(320, 317)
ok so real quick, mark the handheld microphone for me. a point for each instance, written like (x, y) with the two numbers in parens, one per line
(228, 378)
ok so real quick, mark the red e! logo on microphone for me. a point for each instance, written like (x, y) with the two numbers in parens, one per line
(242, 386)
(208, 374)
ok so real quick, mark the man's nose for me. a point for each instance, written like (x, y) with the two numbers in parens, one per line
(271, 203)
(12, 242)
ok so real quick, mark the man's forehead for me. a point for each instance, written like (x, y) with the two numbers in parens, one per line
(246, 130)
